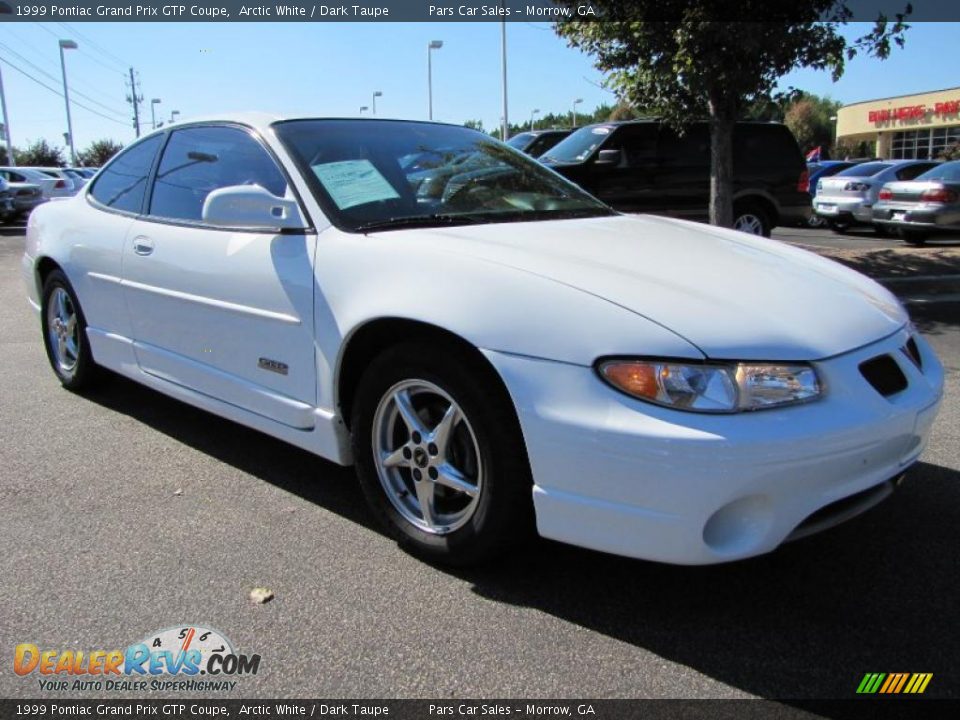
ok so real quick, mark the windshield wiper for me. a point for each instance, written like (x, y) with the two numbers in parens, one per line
(412, 221)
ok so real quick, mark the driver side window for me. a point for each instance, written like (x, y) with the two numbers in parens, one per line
(197, 161)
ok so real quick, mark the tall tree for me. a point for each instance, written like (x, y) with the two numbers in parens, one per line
(809, 119)
(97, 153)
(708, 63)
(39, 154)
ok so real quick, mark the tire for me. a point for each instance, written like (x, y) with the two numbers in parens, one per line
(838, 227)
(65, 334)
(913, 237)
(419, 383)
(752, 219)
(881, 230)
(815, 221)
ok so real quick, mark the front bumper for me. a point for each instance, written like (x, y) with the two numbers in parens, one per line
(626, 477)
(843, 209)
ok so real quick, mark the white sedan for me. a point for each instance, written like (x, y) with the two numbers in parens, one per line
(494, 349)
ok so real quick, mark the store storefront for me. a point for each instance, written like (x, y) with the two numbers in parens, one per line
(904, 127)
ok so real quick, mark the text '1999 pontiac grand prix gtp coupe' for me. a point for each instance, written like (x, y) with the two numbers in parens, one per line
(494, 349)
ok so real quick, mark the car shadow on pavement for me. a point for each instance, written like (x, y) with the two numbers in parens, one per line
(878, 594)
(289, 468)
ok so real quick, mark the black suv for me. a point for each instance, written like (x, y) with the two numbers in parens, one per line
(645, 166)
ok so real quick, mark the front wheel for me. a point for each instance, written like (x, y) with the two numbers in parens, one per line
(65, 334)
(439, 454)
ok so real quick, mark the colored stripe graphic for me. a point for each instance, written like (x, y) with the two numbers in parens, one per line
(894, 683)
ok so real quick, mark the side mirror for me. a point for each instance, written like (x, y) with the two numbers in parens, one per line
(251, 207)
(608, 157)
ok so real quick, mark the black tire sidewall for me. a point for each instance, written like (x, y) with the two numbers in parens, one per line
(504, 511)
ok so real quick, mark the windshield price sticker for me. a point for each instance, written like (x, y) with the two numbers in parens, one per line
(354, 182)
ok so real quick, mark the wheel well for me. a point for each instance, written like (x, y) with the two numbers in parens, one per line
(44, 267)
(761, 202)
(370, 340)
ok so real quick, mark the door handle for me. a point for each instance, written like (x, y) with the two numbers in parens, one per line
(142, 245)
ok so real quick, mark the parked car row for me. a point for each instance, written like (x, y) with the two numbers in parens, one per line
(27, 187)
(912, 198)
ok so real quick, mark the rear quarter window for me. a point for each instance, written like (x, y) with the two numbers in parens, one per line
(122, 184)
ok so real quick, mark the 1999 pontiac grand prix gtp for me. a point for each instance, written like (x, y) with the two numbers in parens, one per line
(489, 345)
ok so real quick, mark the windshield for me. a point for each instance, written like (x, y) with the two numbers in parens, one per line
(864, 170)
(578, 146)
(948, 171)
(378, 174)
(520, 141)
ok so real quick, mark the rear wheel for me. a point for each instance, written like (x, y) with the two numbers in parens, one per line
(65, 334)
(439, 454)
(752, 219)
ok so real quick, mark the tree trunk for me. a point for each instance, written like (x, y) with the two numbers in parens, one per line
(722, 122)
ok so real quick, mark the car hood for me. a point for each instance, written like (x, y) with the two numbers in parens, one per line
(732, 295)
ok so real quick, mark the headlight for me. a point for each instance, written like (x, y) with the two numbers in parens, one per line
(716, 388)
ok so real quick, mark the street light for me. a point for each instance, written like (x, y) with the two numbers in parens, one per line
(575, 103)
(535, 112)
(6, 124)
(434, 45)
(376, 94)
(68, 45)
(505, 127)
(173, 115)
(153, 113)
(363, 107)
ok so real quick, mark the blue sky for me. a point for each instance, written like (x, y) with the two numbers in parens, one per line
(332, 69)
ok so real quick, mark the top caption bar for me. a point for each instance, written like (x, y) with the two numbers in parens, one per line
(456, 11)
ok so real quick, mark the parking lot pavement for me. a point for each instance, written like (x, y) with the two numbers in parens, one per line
(124, 512)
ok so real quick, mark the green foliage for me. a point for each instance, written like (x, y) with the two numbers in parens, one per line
(99, 152)
(809, 120)
(474, 125)
(4, 160)
(951, 152)
(705, 66)
(40, 154)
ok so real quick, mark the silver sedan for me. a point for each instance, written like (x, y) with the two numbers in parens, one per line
(915, 209)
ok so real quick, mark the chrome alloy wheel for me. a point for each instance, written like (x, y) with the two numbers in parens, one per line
(749, 223)
(427, 457)
(62, 330)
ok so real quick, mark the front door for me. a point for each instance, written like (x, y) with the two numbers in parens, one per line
(225, 312)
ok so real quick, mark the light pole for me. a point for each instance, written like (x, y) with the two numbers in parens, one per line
(535, 112)
(575, 103)
(6, 124)
(434, 45)
(173, 116)
(362, 108)
(153, 113)
(505, 128)
(68, 45)
(376, 94)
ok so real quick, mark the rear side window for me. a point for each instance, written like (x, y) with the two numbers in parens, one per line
(758, 146)
(911, 171)
(865, 170)
(200, 160)
(122, 184)
(691, 148)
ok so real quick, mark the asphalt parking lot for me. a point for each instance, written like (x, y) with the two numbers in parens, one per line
(124, 512)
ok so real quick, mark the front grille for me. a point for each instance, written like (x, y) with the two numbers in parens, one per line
(913, 352)
(883, 373)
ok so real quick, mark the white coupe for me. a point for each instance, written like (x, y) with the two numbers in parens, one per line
(494, 349)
